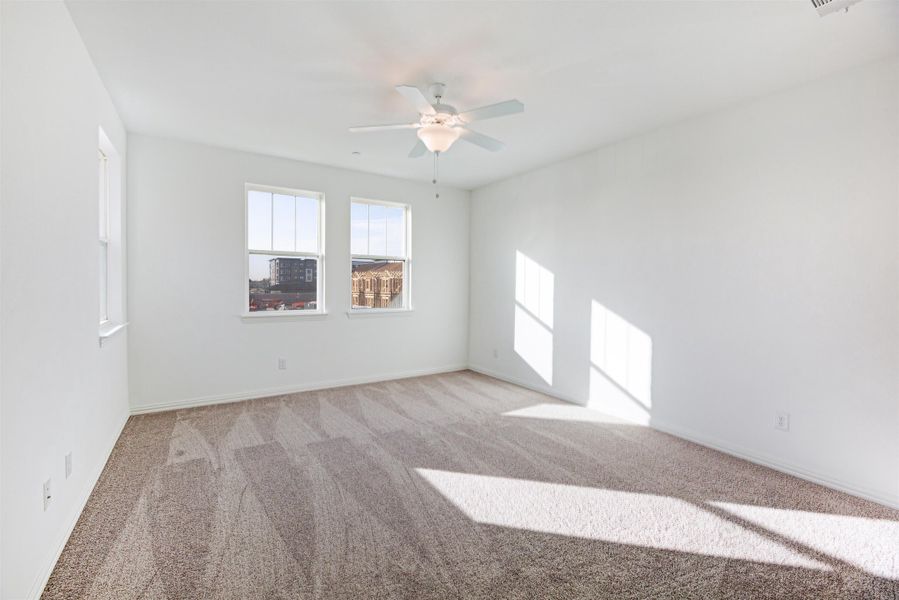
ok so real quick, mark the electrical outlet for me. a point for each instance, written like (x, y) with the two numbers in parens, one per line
(68, 465)
(47, 495)
(282, 364)
(782, 421)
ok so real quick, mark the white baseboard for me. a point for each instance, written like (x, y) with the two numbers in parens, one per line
(777, 464)
(525, 384)
(290, 389)
(43, 576)
(725, 447)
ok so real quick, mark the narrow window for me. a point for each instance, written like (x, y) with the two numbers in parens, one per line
(284, 250)
(104, 235)
(381, 261)
(111, 236)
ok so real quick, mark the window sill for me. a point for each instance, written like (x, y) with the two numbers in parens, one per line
(379, 312)
(109, 329)
(264, 315)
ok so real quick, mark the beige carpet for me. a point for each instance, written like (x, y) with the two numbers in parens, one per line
(455, 486)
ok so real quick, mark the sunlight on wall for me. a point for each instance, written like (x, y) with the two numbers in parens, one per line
(534, 343)
(534, 315)
(563, 412)
(620, 517)
(871, 545)
(620, 366)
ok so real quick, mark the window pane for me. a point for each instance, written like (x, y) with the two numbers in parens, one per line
(378, 283)
(359, 228)
(104, 282)
(307, 224)
(259, 220)
(284, 223)
(283, 283)
(396, 231)
(104, 196)
(377, 229)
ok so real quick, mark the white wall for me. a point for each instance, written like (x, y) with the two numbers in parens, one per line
(186, 281)
(60, 391)
(757, 247)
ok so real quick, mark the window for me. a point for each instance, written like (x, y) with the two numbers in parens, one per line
(104, 236)
(284, 250)
(111, 235)
(381, 261)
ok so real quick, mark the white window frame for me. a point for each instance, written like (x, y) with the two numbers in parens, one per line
(111, 238)
(407, 259)
(103, 230)
(320, 255)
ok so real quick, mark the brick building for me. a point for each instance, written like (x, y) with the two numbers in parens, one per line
(378, 284)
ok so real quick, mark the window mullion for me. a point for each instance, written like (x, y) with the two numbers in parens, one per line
(284, 253)
(378, 257)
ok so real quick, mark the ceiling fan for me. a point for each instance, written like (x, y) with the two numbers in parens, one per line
(440, 125)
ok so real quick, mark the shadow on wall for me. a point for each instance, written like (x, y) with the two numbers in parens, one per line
(534, 315)
(620, 366)
(620, 371)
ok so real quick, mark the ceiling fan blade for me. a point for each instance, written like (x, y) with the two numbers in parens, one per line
(500, 109)
(479, 139)
(417, 150)
(418, 100)
(384, 127)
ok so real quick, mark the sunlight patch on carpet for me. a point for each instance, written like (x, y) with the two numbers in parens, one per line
(619, 517)
(563, 412)
(865, 543)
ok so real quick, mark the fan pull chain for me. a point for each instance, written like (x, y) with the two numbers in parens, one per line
(434, 181)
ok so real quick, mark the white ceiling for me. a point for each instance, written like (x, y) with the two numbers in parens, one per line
(288, 78)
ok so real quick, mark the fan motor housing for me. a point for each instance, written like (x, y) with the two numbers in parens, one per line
(437, 90)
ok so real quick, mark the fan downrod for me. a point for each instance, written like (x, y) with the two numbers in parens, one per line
(437, 90)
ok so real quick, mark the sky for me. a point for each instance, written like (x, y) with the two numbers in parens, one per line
(286, 223)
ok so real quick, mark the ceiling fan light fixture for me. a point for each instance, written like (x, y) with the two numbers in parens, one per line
(439, 125)
(437, 137)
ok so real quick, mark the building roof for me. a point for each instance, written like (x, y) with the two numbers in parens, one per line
(378, 267)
